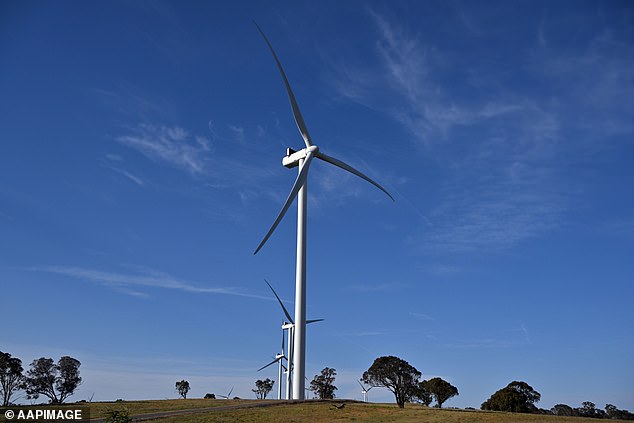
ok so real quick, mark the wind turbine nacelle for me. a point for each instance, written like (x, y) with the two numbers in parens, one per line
(293, 157)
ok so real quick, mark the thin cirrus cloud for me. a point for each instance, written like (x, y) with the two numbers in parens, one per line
(407, 70)
(137, 180)
(170, 145)
(499, 187)
(144, 277)
(197, 155)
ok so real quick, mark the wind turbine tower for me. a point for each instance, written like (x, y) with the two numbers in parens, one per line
(301, 159)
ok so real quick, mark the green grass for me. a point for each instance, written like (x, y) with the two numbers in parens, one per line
(318, 412)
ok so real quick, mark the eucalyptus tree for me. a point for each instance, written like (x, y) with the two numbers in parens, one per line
(11, 377)
(395, 374)
(55, 381)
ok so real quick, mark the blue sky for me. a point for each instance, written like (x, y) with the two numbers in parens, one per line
(140, 167)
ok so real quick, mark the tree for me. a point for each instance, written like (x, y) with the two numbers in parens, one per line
(11, 377)
(423, 395)
(323, 384)
(562, 410)
(516, 397)
(440, 389)
(183, 388)
(614, 413)
(55, 381)
(395, 374)
(588, 409)
(263, 387)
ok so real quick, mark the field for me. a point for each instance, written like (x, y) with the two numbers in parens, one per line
(313, 412)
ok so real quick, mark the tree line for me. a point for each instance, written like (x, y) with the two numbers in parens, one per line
(57, 381)
(520, 397)
(402, 379)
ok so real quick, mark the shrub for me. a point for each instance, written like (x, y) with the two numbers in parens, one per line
(118, 416)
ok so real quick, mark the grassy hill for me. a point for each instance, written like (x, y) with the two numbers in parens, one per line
(316, 412)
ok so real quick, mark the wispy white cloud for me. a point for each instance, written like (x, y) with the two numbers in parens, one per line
(128, 283)
(493, 220)
(219, 161)
(171, 145)
(137, 180)
(592, 83)
(527, 337)
(500, 187)
(415, 97)
(421, 316)
(237, 133)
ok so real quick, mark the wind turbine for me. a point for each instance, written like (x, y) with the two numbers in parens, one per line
(278, 359)
(288, 326)
(302, 160)
(364, 391)
(228, 396)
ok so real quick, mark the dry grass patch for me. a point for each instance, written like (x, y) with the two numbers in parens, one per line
(98, 409)
(318, 412)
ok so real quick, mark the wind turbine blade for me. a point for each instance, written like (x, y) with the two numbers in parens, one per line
(368, 390)
(286, 313)
(229, 394)
(362, 387)
(314, 321)
(264, 367)
(299, 182)
(352, 170)
(299, 120)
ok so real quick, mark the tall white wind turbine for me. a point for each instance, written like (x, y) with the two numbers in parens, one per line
(302, 160)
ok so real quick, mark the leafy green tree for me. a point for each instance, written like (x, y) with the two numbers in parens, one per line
(182, 388)
(395, 374)
(55, 381)
(440, 389)
(323, 384)
(614, 413)
(422, 395)
(263, 387)
(516, 397)
(589, 409)
(562, 410)
(11, 376)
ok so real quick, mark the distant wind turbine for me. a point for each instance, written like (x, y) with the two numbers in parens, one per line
(278, 359)
(228, 396)
(364, 391)
(288, 326)
(302, 160)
